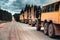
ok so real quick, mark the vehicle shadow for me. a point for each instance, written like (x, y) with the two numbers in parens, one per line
(56, 37)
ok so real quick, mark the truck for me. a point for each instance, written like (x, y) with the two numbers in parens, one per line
(50, 19)
(21, 16)
(26, 14)
(33, 10)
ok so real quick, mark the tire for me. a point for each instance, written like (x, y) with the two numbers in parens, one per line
(32, 23)
(25, 22)
(38, 27)
(29, 22)
(51, 31)
(46, 28)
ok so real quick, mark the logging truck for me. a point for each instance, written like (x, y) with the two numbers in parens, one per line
(26, 14)
(21, 17)
(50, 19)
(47, 17)
(32, 15)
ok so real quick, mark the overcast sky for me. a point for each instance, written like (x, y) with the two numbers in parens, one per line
(15, 6)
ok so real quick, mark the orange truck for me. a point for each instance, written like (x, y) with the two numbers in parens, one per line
(32, 13)
(29, 16)
(21, 17)
(26, 13)
(32, 20)
(50, 19)
(25, 17)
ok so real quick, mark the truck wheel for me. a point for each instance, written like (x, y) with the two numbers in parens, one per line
(38, 27)
(29, 22)
(51, 31)
(32, 24)
(46, 28)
